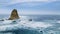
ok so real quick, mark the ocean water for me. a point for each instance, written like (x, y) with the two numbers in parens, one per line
(30, 24)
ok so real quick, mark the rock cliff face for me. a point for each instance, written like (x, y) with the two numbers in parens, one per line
(14, 15)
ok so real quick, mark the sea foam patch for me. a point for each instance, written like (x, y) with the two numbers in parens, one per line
(24, 25)
(34, 25)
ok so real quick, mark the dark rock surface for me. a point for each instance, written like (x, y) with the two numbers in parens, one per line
(14, 15)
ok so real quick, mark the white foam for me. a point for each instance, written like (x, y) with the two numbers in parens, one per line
(24, 23)
(35, 24)
(58, 21)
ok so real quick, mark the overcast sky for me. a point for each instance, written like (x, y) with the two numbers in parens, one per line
(30, 6)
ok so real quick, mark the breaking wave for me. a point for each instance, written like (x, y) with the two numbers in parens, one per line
(31, 25)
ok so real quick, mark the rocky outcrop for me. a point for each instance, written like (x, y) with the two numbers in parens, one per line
(14, 15)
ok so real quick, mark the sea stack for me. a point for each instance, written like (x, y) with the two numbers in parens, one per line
(14, 15)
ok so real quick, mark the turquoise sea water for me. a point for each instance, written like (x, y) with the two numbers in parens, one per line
(31, 24)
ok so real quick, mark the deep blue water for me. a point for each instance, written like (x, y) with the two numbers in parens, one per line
(37, 17)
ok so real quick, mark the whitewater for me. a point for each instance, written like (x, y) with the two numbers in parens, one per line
(41, 27)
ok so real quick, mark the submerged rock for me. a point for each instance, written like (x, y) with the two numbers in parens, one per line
(14, 15)
(2, 20)
(30, 19)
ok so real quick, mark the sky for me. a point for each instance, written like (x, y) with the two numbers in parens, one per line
(31, 7)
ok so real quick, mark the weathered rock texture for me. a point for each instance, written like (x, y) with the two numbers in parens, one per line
(14, 15)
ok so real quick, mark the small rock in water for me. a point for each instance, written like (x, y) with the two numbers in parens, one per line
(14, 21)
(41, 31)
(2, 20)
(30, 19)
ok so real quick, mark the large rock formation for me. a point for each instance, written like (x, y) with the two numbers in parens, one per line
(14, 15)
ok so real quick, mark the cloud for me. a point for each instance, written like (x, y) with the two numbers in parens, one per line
(19, 1)
(40, 12)
(11, 2)
(33, 0)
